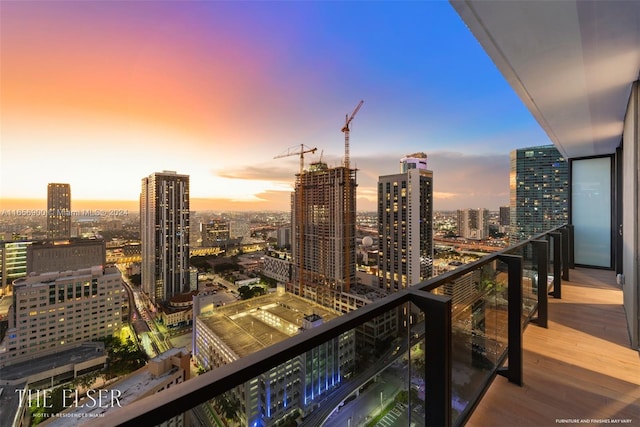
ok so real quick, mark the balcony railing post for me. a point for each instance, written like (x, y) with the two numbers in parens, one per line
(514, 319)
(438, 350)
(564, 232)
(541, 248)
(572, 260)
(556, 239)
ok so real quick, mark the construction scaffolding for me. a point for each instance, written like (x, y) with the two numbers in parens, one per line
(323, 224)
(297, 225)
(323, 247)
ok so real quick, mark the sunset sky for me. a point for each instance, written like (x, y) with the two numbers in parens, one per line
(99, 94)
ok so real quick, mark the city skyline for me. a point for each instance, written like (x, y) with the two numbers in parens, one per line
(95, 94)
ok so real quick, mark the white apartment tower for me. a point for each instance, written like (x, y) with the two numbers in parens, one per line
(405, 230)
(164, 230)
(473, 223)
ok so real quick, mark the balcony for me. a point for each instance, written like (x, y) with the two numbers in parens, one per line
(466, 328)
(581, 367)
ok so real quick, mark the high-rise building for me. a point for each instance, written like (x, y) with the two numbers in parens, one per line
(504, 219)
(283, 236)
(473, 223)
(164, 230)
(405, 224)
(239, 228)
(215, 233)
(58, 211)
(324, 230)
(539, 186)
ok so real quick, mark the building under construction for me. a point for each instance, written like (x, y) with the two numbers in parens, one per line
(323, 207)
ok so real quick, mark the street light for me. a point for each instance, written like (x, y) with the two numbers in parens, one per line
(381, 402)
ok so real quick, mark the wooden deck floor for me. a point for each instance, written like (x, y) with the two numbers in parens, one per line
(580, 368)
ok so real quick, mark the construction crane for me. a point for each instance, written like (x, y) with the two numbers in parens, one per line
(350, 218)
(300, 218)
(303, 150)
(345, 129)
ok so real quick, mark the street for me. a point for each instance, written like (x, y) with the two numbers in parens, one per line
(371, 401)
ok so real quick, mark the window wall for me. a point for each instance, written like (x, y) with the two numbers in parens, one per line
(591, 210)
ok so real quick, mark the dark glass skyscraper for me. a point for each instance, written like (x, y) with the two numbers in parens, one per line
(164, 230)
(539, 186)
(58, 211)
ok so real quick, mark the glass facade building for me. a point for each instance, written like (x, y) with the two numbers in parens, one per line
(539, 191)
(58, 211)
(164, 231)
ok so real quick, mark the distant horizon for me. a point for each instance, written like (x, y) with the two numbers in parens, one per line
(120, 207)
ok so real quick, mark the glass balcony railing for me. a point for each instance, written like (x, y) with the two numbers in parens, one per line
(422, 356)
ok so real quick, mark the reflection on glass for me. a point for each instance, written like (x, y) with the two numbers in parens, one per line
(479, 330)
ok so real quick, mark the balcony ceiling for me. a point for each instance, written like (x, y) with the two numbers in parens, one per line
(571, 62)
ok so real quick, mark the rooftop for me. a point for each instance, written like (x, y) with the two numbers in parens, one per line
(39, 278)
(251, 325)
(28, 369)
(128, 389)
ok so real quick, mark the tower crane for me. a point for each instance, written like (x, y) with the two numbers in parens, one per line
(303, 150)
(349, 212)
(300, 218)
(345, 129)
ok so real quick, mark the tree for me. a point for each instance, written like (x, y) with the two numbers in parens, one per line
(87, 380)
(402, 397)
(228, 404)
(272, 283)
(247, 292)
(123, 357)
(201, 262)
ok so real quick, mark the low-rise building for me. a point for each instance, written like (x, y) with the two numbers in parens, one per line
(224, 334)
(278, 267)
(52, 311)
(160, 373)
(179, 311)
